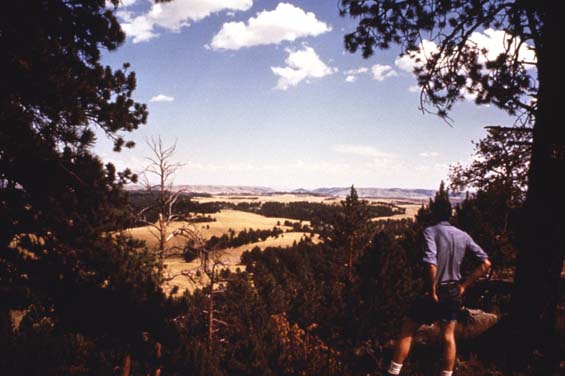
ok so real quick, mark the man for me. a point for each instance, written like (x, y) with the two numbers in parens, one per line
(444, 248)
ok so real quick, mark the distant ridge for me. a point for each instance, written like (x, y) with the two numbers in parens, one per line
(378, 192)
(385, 193)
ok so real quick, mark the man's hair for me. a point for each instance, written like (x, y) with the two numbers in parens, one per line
(441, 210)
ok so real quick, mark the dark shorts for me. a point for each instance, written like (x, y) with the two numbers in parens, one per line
(425, 310)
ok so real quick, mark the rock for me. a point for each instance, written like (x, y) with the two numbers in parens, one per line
(473, 323)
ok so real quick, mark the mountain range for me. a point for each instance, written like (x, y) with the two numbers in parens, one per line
(367, 192)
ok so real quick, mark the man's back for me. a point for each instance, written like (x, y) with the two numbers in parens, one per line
(445, 247)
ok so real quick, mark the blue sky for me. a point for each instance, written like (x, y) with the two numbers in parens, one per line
(259, 92)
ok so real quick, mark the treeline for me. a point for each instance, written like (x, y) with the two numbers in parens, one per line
(316, 213)
(145, 205)
(246, 236)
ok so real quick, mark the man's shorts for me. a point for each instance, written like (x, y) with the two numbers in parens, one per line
(425, 310)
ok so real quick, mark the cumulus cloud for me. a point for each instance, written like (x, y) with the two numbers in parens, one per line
(301, 65)
(174, 15)
(491, 43)
(357, 71)
(285, 23)
(122, 3)
(381, 72)
(378, 71)
(351, 74)
(162, 98)
(361, 150)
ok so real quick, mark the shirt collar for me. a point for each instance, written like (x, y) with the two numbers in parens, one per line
(444, 223)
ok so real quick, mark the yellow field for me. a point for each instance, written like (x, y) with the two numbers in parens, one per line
(225, 220)
(411, 211)
(236, 221)
(229, 258)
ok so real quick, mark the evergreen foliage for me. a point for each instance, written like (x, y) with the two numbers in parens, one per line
(61, 260)
(458, 67)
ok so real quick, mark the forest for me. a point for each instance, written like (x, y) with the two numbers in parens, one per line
(80, 296)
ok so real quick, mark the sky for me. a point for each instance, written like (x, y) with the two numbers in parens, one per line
(263, 93)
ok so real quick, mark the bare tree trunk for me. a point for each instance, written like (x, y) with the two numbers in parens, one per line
(162, 236)
(158, 354)
(211, 317)
(126, 365)
(540, 261)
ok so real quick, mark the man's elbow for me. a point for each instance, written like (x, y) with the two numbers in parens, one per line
(486, 265)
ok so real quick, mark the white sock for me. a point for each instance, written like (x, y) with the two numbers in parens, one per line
(394, 368)
(446, 373)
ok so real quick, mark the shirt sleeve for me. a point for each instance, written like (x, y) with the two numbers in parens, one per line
(476, 250)
(430, 248)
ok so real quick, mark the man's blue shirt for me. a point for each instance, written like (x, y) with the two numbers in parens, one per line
(445, 246)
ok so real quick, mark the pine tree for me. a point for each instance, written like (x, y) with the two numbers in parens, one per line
(61, 209)
(351, 228)
(459, 66)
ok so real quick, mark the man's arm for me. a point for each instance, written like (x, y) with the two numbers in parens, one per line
(480, 270)
(432, 274)
(430, 259)
(477, 273)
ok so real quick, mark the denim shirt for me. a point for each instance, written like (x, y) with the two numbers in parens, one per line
(445, 246)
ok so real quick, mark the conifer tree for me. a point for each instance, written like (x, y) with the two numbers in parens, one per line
(61, 208)
(459, 66)
(351, 227)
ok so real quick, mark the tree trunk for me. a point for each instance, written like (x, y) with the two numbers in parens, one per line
(126, 366)
(211, 317)
(540, 261)
(162, 236)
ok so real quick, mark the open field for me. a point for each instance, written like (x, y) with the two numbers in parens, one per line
(229, 258)
(225, 220)
(411, 211)
(235, 220)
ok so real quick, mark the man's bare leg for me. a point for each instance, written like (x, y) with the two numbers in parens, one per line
(449, 347)
(403, 344)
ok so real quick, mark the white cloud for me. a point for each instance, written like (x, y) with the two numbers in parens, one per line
(301, 65)
(162, 98)
(409, 62)
(351, 74)
(127, 3)
(361, 150)
(495, 42)
(175, 15)
(122, 4)
(429, 154)
(380, 72)
(357, 71)
(285, 23)
(490, 44)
